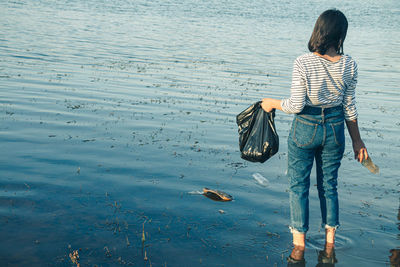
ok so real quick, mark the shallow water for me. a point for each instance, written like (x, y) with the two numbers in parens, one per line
(114, 112)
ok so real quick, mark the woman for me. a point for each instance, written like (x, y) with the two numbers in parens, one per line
(323, 98)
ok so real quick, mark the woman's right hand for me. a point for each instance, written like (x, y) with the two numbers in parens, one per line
(268, 104)
(360, 151)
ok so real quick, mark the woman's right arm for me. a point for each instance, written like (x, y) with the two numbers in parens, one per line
(297, 99)
(360, 151)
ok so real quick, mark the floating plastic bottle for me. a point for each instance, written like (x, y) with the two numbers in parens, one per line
(260, 179)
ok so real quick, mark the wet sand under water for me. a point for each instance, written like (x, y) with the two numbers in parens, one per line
(114, 116)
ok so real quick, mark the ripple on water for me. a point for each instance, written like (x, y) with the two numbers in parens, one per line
(111, 110)
(317, 241)
(360, 244)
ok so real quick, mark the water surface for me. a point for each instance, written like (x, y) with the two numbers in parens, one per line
(113, 111)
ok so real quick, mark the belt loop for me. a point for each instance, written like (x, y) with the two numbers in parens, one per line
(323, 115)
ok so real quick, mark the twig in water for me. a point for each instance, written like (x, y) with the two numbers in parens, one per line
(108, 253)
(143, 236)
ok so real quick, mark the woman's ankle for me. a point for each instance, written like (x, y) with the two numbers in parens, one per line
(299, 239)
(330, 235)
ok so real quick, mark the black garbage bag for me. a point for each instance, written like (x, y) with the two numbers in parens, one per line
(258, 140)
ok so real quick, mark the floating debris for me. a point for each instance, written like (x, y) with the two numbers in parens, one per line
(221, 211)
(367, 163)
(74, 256)
(216, 195)
(260, 179)
(107, 252)
(88, 140)
(395, 257)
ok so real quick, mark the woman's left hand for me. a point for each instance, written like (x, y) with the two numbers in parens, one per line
(267, 104)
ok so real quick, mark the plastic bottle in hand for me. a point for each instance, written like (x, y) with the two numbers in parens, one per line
(367, 163)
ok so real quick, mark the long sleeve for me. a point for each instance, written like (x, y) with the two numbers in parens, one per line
(349, 97)
(297, 99)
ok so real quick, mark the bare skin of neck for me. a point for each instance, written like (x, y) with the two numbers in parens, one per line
(330, 55)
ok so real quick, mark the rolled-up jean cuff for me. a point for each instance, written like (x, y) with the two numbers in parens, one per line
(330, 227)
(295, 231)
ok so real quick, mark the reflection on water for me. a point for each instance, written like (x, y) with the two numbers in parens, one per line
(111, 111)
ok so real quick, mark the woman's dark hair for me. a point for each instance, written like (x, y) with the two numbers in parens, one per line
(329, 31)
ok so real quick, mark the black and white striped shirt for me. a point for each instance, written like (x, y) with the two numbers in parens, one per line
(319, 82)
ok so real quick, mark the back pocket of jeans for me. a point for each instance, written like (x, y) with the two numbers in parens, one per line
(338, 132)
(304, 132)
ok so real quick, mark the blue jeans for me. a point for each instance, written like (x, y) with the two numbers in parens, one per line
(316, 133)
